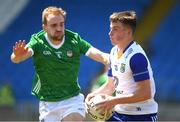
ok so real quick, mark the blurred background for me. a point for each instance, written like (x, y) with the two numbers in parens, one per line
(157, 31)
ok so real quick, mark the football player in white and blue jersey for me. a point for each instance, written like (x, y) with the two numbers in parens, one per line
(130, 75)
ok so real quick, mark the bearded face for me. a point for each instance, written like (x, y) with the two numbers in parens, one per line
(54, 27)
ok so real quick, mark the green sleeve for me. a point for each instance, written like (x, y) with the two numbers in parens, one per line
(83, 45)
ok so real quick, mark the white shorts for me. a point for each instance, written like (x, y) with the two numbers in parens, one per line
(56, 111)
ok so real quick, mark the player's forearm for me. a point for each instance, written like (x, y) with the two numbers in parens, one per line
(99, 56)
(103, 58)
(107, 88)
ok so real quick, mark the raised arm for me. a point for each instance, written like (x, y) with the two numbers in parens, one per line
(20, 52)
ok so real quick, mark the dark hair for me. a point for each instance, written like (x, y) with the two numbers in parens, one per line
(125, 17)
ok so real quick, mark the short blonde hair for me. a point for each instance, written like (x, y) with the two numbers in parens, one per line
(128, 18)
(52, 10)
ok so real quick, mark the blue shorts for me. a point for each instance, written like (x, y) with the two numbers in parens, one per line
(124, 117)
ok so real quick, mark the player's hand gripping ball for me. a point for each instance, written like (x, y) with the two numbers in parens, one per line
(95, 114)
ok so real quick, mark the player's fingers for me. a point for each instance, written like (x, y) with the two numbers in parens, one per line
(100, 109)
(87, 98)
(20, 41)
(18, 44)
(23, 43)
(14, 48)
(98, 106)
(109, 113)
(108, 110)
(87, 102)
(87, 107)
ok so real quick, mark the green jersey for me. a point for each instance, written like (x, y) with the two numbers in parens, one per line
(56, 69)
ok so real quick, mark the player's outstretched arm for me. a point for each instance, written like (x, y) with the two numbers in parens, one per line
(99, 56)
(20, 52)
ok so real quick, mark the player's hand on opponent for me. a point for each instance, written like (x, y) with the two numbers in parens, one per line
(19, 49)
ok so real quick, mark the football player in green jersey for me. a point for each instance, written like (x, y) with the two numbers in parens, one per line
(56, 57)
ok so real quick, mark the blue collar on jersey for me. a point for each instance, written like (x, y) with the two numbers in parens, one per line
(128, 46)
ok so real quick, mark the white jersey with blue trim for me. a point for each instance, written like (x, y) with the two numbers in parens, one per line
(126, 75)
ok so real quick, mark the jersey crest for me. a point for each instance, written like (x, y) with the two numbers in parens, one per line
(122, 68)
(69, 53)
